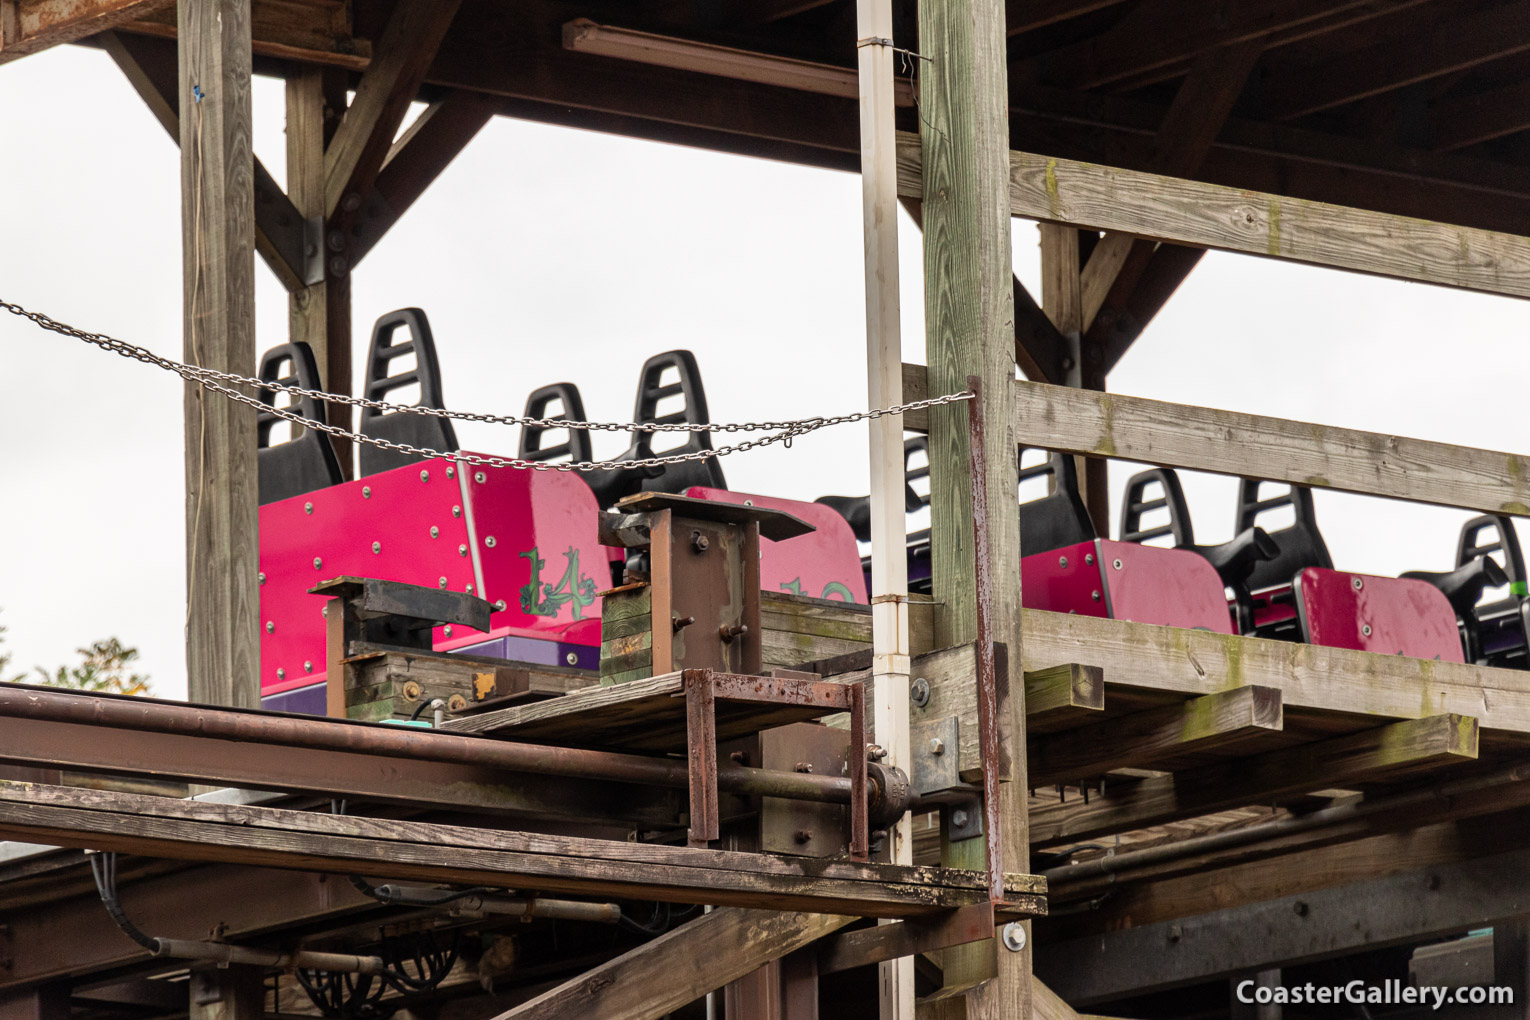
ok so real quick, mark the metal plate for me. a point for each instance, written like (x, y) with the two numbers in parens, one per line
(1390, 615)
(934, 751)
(1170, 587)
(1065, 580)
(796, 826)
(964, 820)
(824, 564)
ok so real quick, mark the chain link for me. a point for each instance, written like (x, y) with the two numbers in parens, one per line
(223, 382)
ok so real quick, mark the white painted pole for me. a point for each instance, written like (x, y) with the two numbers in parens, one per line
(884, 358)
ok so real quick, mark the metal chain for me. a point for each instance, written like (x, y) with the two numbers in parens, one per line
(215, 381)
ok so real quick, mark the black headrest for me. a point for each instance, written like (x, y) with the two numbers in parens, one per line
(1301, 544)
(570, 407)
(1059, 518)
(381, 381)
(308, 462)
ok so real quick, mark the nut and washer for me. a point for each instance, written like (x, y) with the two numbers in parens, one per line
(1366, 630)
(1116, 564)
(572, 658)
(1358, 584)
(1013, 936)
(919, 692)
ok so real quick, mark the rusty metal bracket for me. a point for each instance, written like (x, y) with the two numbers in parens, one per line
(987, 673)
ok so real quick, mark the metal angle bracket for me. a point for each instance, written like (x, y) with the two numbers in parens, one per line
(964, 819)
(933, 746)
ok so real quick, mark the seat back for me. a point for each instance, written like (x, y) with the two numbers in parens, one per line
(382, 381)
(1301, 543)
(1139, 502)
(563, 400)
(1059, 518)
(307, 462)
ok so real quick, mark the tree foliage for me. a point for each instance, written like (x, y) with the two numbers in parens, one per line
(104, 666)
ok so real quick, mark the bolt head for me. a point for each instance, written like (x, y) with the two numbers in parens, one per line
(1088, 559)
(489, 541)
(572, 658)
(499, 607)
(424, 476)
(442, 582)
(462, 550)
(308, 508)
(919, 692)
(456, 511)
(435, 532)
(1013, 936)
(451, 472)
(308, 665)
(377, 547)
(448, 629)
(352, 202)
(281, 674)
(469, 589)
(270, 627)
(959, 818)
(317, 563)
(1062, 561)
(1095, 595)
(937, 746)
(1116, 564)
(479, 477)
(261, 577)
(366, 492)
(803, 836)
(1357, 582)
(1366, 630)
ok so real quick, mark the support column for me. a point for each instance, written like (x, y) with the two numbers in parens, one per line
(227, 993)
(218, 266)
(884, 375)
(46, 1002)
(320, 313)
(969, 327)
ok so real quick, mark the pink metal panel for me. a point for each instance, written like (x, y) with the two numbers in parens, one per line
(824, 564)
(1172, 587)
(1390, 615)
(1065, 580)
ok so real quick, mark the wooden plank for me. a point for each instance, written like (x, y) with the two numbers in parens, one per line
(227, 993)
(1159, 738)
(1036, 14)
(1063, 697)
(274, 837)
(1459, 121)
(310, 32)
(694, 959)
(1383, 754)
(1255, 223)
(361, 142)
(218, 234)
(31, 26)
(1255, 446)
(1452, 45)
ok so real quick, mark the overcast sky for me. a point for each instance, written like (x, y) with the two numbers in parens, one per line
(545, 254)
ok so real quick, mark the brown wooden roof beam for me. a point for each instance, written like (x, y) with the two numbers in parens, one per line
(29, 26)
(1470, 120)
(1028, 15)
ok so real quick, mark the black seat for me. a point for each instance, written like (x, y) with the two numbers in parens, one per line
(1499, 630)
(307, 462)
(613, 484)
(1300, 545)
(574, 448)
(398, 426)
(1059, 518)
(1464, 585)
(856, 510)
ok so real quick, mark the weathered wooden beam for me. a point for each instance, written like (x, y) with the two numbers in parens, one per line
(30, 26)
(1456, 122)
(218, 267)
(884, 942)
(420, 155)
(1255, 446)
(1455, 44)
(681, 966)
(150, 66)
(402, 849)
(1383, 754)
(1036, 14)
(391, 82)
(1168, 267)
(316, 34)
(1159, 738)
(1212, 216)
(1063, 697)
(1418, 904)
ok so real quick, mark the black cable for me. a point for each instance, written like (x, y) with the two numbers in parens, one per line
(103, 868)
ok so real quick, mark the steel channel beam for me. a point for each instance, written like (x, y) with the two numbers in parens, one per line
(1398, 909)
(109, 713)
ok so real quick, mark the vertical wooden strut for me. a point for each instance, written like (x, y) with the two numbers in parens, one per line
(884, 347)
(969, 330)
(218, 266)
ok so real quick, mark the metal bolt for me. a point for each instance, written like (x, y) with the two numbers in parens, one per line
(700, 543)
(424, 476)
(959, 818)
(351, 203)
(448, 629)
(435, 532)
(281, 674)
(308, 665)
(451, 472)
(1176, 933)
(442, 582)
(1357, 583)
(1062, 561)
(876, 752)
(1116, 564)
(317, 563)
(739, 757)
(262, 577)
(804, 766)
(479, 477)
(270, 627)
(1088, 559)
(919, 692)
(489, 541)
(937, 746)
(1301, 909)
(1013, 936)
(324, 611)
(469, 589)
(749, 502)
(366, 492)
(338, 266)
(499, 606)
(572, 658)
(803, 836)
(1095, 595)
(308, 508)
(462, 550)
(1366, 630)
(456, 511)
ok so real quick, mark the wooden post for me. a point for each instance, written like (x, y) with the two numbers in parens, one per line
(969, 330)
(889, 564)
(320, 313)
(218, 265)
(227, 993)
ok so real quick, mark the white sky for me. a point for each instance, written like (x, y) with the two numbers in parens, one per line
(546, 254)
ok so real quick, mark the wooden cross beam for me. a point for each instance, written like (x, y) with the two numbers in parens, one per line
(28, 26)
